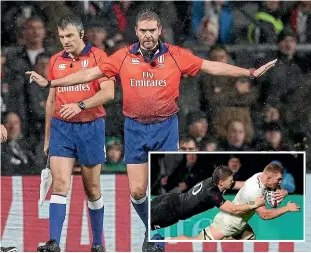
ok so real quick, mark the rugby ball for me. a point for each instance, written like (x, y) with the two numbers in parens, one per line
(270, 198)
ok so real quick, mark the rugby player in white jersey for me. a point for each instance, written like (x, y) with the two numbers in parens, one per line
(235, 227)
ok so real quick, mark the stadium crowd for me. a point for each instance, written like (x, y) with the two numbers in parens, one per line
(271, 113)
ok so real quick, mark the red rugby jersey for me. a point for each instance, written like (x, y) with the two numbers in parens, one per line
(151, 90)
(61, 64)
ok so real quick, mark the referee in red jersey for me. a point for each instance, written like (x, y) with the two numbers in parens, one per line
(77, 134)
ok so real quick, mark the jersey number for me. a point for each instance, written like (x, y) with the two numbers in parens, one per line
(197, 188)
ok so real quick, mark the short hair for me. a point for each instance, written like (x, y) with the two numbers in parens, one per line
(219, 47)
(186, 138)
(148, 15)
(273, 168)
(70, 20)
(33, 19)
(221, 173)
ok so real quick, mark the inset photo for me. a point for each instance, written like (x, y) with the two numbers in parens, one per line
(219, 196)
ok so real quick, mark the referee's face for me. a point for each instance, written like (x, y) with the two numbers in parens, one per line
(148, 33)
(70, 39)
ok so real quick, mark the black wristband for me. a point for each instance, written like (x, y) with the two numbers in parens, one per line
(49, 84)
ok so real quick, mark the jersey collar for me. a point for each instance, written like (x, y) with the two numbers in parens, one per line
(85, 51)
(162, 50)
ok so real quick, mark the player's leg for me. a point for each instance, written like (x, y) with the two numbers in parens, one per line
(138, 180)
(62, 158)
(61, 169)
(247, 234)
(91, 183)
(206, 234)
(136, 158)
(90, 147)
(163, 210)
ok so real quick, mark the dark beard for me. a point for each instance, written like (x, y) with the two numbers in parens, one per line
(148, 54)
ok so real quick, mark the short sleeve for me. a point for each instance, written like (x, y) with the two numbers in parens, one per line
(50, 71)
(112, 65)
(188, 63)
(103, 58)
(218, 199)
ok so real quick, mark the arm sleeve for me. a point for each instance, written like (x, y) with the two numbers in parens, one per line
(50, 72)
(103, 58)
(218, 199)
(187, 62)
(111, 66)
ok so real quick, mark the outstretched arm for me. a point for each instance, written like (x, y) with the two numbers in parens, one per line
(268, 214)
(82, 76)
(231, 208)
(224, 69)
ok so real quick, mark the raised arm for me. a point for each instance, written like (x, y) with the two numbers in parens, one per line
(82, 76)
(224, 69)
(231, 208)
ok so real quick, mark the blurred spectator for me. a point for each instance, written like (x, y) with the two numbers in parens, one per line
(218, 11)
(279, 84)
(13, 17)
(267, 24)
(206, 36)
(301, 21)
(270, 113)
(236, 137)
(4, 99)
(114, 153)
(288, 181)
(187, 103)
(274, 139)
(187, 143)
(210, 145)
(225, 97)
(197, 126)
(28, 97)
(96, 32)
(16, 158)
(185, 175)
(235, 165)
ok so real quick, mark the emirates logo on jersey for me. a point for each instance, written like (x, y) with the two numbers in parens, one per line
(84, 63)
(78, 87)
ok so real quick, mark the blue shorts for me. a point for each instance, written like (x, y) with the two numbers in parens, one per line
(140, 138)
(83, 141)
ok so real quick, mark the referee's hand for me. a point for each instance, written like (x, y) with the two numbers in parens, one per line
(40, 80)
(263, 69)
(69, 110)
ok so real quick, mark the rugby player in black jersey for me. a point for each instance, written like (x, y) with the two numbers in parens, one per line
(169, 208)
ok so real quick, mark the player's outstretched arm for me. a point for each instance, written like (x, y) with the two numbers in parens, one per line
(224, 69)
(82, 76)
(99, 98)
(268, 214)
(231, 208)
